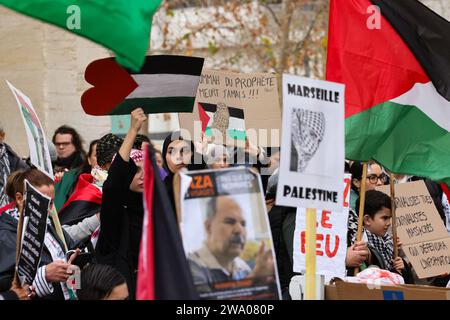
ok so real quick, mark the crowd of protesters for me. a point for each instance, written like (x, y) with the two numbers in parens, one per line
(103, 232)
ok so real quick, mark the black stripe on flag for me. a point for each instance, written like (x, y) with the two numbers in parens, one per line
(171, 65)
(234, 112)
(427, 35)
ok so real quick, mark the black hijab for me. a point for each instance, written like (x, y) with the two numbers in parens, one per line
(168, 181)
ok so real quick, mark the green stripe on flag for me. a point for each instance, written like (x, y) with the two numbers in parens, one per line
(402, 138)
(232, 133)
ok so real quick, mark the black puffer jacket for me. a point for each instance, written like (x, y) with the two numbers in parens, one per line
(8, 237)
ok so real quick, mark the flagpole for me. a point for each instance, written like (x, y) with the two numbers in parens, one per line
(310, 275)
(16, 280)
(394, 220)
(362, 200)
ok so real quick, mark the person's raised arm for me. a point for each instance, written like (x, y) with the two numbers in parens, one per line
(138, 118)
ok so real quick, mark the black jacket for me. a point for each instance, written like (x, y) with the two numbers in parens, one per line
(15, 162)
(8, 237)
(121, 222)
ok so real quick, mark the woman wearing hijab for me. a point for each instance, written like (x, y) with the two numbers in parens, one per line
(122, 209)
(179, 153)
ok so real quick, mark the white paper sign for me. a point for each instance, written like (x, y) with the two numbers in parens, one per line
(312, 152)
(37, 142)
(331, 245)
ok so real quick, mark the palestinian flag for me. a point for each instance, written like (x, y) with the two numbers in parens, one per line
(84, 202)
(397, 81)
(163, 272)
(164, 84)
(120, 25)
(236, 126)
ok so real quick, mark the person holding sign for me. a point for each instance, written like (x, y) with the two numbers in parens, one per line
(218, 260)
(377, 220)
(53, 269)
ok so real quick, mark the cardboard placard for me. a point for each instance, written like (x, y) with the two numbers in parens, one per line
(358, 291)
(312, 151)
(35, 212)
(231, 106)
(331, 245)
(226, 235)
(425, 239)
(37, 141)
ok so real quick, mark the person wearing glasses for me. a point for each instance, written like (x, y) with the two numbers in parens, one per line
(69, 149)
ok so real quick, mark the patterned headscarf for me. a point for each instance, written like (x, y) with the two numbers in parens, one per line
(384, 245)
(5, 171)
(107, 147)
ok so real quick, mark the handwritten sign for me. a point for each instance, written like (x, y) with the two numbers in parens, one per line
(231, 107)
(35, 214)
(331, 245)
(425, 239)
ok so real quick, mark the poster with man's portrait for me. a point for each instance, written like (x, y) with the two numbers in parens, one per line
(312, 149)
(226, 235)
(37, 141)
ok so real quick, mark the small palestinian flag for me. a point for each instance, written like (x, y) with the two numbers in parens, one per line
(213, 117)
(395, 63)
(163, 84)
(84, 202)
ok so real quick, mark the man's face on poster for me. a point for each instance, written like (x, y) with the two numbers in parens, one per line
(226, 230)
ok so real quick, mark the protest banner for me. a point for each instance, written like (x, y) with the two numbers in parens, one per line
(426, 242)
(331, 239)
(37, 141)
(31, 244)
(226, 235)
(165, 83)
(312, 151)
(120, 125)
(231, 107)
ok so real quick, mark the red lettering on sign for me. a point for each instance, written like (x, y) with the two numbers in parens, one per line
(346, 191)
(325, 218)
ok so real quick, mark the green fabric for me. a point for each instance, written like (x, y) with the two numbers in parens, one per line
(353, 197)
(120, 25)
(401, 138)
(63, 187)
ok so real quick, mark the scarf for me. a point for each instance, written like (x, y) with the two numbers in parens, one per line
(5, 171)
(99, 176)
(384, 245)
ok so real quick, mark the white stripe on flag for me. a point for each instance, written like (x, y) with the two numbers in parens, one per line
(426, 98)
(164, 85)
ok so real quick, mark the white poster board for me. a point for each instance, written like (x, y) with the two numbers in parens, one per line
(226, 235)
(331, 245)
(37, 142)
(312, 149)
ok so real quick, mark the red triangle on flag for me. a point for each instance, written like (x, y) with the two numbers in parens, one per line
(204, 118)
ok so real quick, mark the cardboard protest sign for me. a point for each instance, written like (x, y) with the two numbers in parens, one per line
(226, 235)
(35, 212)
(231, 107)
(164, 84)
(425, 239)
(331, 246)
(37, 142)
(312, 151)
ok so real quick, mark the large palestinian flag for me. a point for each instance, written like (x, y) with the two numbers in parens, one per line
(163, 272)
(397, 81)
(120, 25)
(165, 83)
